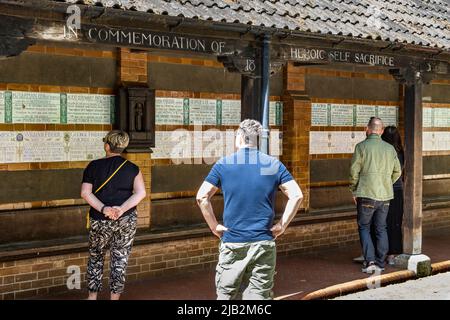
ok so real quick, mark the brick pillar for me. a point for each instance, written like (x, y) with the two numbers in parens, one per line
(296, 127)
(133, 71)
(143, 160)
(132, 67)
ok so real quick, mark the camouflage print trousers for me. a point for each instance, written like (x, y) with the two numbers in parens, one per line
(119, 236)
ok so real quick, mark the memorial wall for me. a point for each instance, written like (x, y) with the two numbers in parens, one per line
(200, 113)
(342, 103)
(193, 130)
(197, 110)
(53, 108)
(62, 108)
(344, 115)
(56, 105)
(51, 127)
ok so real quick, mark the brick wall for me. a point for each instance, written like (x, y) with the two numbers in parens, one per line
(296, 127)
(133, 71)
(74, 52)
(143, 161)
(40, 276)
(211, 63)
(132, 67)
(48, 275)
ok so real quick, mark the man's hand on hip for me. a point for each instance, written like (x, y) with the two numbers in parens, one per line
(219, 230)
(277, 230)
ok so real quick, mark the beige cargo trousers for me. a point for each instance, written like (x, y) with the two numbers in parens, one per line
(246, 270)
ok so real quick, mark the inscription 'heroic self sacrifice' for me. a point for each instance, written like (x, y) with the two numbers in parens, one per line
(312, 54)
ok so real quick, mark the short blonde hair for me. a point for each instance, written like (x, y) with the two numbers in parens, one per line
(117, 140)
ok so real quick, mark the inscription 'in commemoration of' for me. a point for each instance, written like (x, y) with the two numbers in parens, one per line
(155, 40)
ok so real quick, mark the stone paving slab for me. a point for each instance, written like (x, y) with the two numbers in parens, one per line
(435, 287)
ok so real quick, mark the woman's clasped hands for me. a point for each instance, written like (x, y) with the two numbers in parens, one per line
(113, 213)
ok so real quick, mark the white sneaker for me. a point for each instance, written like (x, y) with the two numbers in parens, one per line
(370, 268)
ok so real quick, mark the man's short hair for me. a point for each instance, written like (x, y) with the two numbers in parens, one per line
(117, 140)
(375, 124)
(250, 129)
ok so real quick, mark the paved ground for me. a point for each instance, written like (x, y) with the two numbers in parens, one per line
(430, 288)
(301, 274)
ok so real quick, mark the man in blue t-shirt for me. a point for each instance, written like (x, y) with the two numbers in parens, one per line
(249, 180)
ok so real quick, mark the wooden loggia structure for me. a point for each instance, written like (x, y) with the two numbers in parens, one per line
(261, 43)
(253, 50)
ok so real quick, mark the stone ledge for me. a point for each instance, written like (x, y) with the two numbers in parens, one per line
(28, 250)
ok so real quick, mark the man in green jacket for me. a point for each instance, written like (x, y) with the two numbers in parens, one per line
(374, 169)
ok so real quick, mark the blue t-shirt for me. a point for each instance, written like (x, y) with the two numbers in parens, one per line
(249, 180)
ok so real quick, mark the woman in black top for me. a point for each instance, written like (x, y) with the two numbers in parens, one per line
(395, 215)
(112, 216)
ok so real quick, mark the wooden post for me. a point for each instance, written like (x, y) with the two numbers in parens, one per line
(412, 257)
(412, 217)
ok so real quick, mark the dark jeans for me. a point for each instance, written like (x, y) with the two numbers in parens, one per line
(372, 211)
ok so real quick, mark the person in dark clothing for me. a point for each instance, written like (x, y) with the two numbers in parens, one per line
(395, 215)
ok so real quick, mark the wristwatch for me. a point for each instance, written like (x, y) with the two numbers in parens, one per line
(102, 209)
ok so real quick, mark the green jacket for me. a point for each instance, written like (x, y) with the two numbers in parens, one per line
(374, 169)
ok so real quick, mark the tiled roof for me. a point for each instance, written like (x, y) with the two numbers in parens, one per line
(419, 22)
